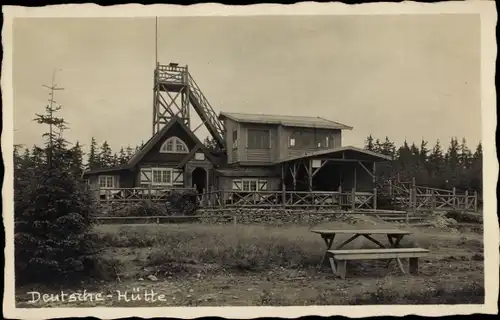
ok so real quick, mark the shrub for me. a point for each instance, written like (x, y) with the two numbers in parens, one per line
(184, 203)
(138, 209)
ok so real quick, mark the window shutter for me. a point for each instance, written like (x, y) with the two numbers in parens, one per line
(236, 184)
(262, 185)
(145, 175)
(178, 176)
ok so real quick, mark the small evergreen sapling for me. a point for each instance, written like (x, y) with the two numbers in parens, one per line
(53, 211)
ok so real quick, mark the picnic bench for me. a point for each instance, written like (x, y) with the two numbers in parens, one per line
(338, 257)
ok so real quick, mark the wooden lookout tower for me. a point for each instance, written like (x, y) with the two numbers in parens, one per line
(175, 91)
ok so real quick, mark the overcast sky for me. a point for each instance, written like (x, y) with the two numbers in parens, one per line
(407, 76)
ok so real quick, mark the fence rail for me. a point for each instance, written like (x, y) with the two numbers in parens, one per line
(288, 199)
(407, 194)
(412, 198)
(106, 196)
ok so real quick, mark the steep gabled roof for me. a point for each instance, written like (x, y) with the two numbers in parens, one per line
(137, 157)
(160, 135)
(285, 120)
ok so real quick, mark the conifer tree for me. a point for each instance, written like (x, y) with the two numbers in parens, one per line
(388, 148)
(458, 167)
(477, 158)
(378, 146)
(436, 160)
(404, 161)
(129, 152)
(52, 211)
(424, 152)
(369, 145)
(476, 171)
(22, 165)
(122, 157)
(77, 160)
(94, 161)
(452, 155)
(465, 156)
(106, 155)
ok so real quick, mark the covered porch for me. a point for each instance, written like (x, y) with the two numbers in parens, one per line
(338, 169)
(347, 175)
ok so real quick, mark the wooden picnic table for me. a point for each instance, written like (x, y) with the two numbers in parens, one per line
(394, 237)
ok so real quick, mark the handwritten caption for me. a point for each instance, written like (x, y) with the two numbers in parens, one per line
(86, 296)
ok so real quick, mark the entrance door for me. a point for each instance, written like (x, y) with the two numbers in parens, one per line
(199, 179)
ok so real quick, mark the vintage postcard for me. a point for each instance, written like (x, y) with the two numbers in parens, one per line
(250, 161)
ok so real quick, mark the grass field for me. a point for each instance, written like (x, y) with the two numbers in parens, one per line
(221, 265)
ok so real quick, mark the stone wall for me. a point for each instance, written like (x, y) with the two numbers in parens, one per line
(268, 216)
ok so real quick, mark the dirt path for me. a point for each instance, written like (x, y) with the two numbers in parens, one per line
(443, 281)
(188, 274)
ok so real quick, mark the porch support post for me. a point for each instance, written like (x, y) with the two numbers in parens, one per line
(341, 178)
(475, 201)
(374, 176)
(207, 184)
(310, 175)
(283, 187)
(355, 179)
(293, 169)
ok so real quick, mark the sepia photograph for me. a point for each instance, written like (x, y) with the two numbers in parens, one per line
(311, 155)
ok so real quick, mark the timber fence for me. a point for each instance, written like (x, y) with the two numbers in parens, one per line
(405, 195)
(415, 198)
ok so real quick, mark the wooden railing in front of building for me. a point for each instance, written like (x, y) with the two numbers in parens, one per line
(288, 199)
(414, 199)
(106, 196)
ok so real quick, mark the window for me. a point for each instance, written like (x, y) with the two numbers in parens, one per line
(253, 185)
(309, 139)
(180, 147)
(174, 145)
(235, 139)
(249, 185)
(169, 146)
(106, 182)
(294, 140)
(258, 139)
(322, 141)
(246, 185)
(162, 176)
